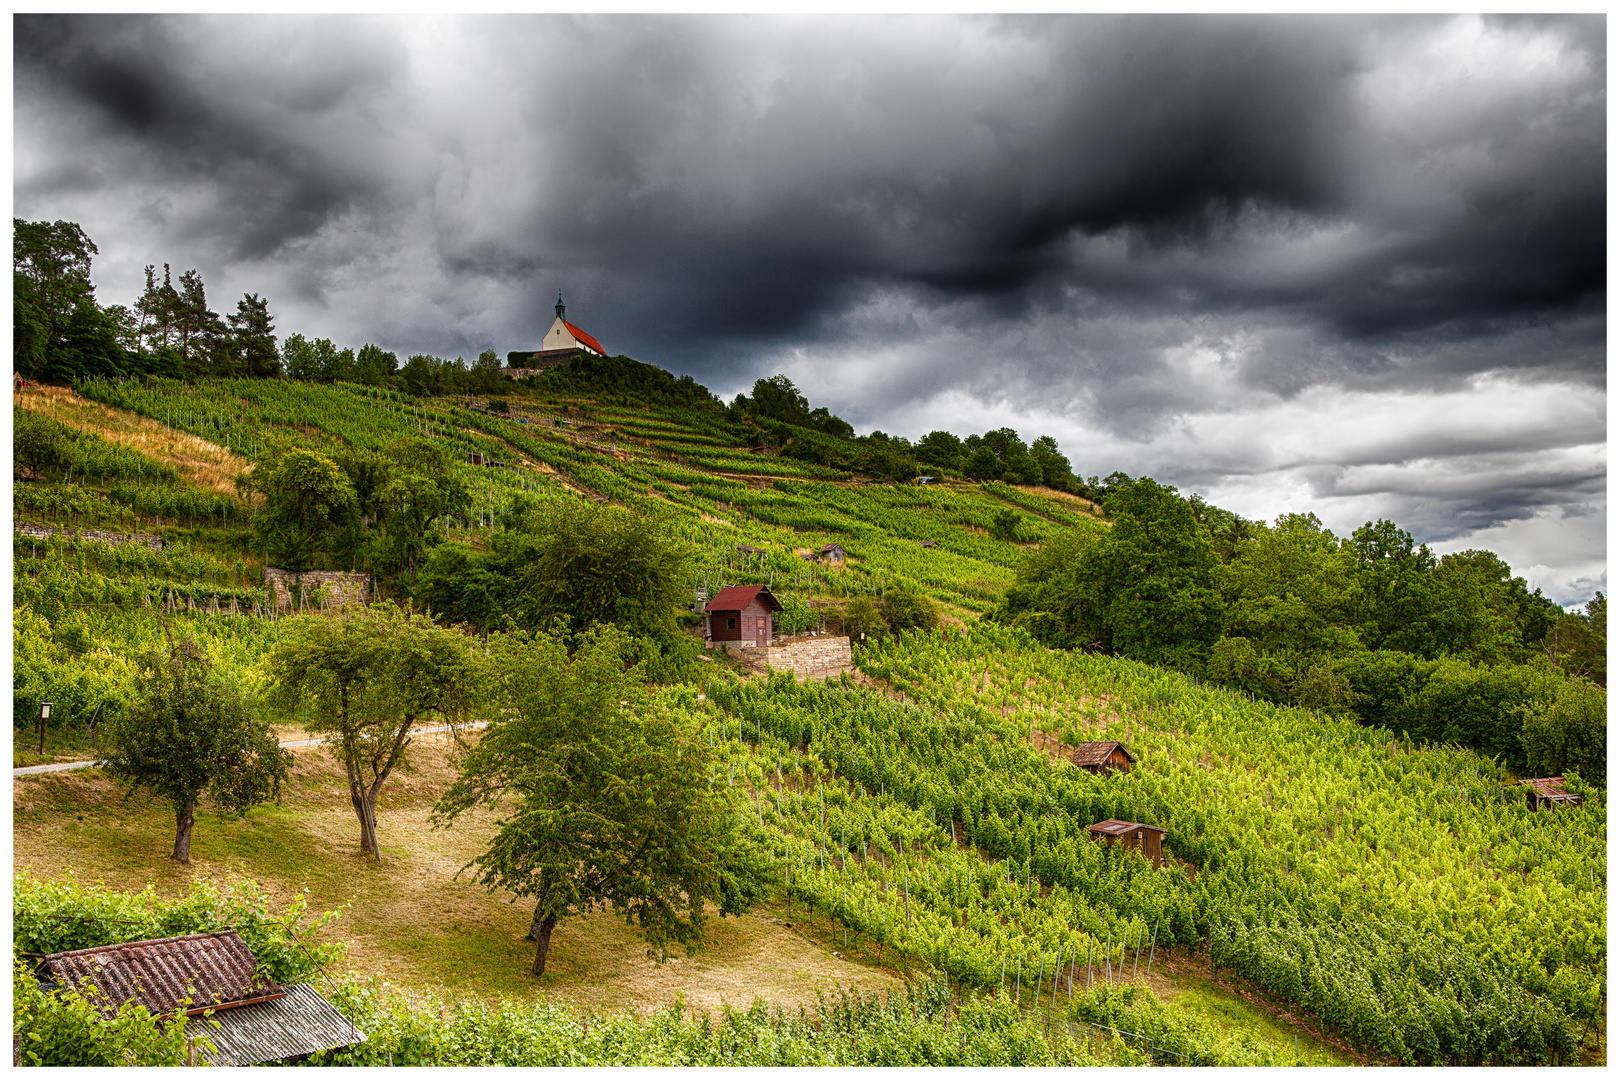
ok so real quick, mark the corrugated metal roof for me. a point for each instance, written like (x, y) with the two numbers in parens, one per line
(210, 969)
(301, 1023)
(1096, 753)
(1115, 827)
(737, 597)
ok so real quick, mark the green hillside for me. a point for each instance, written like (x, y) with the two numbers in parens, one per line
(1386, 895)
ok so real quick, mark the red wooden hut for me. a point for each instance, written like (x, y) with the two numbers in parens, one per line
(740, 614)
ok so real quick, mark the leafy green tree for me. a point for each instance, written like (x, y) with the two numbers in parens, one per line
(1578, 644)
(611, 797)
(908, 609)
(1160, 576)
(940, 450)
(419, 489)
(1289, 589)
(778, 399)
(53, 261)
(587, 563)
(308, 501)
(886, 460)
(189, 734)
(1008, 525)
(1394, 580)
(40, 443)
(1059, 593)
(420, 374)
(981, 463)
(1568, 733)
(365, 678)
(863, 620)
(1055, 470)
(373, 366)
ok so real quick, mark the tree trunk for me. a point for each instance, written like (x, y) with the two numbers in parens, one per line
(365, 811)
(184, 818)
(540, 932)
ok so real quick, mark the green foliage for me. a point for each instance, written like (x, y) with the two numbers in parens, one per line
(863, 620)
(364, 678)
(62, 1027)
(1008, 525)
(308, 500)
(1143, 588)
(1480, 706)
(52, 916)
(613, 797)
(796, 616)
(621, 379)
(588, 564)
(1579, 643)
(188, 733)
(917, 1028)
(40, 443)
(1568, 734)
(906, 609)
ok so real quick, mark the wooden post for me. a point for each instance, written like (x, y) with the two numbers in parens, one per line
(1153, 945)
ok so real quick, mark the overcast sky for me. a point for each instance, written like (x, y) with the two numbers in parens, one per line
(1353, 266)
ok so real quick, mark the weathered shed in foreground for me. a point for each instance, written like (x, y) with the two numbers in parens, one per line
(1103, 757)
(741, 614)
(1132, 835)
(1549, 792)
(258, 1020)
(832, 552)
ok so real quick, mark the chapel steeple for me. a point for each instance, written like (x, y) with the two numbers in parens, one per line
(560, 307)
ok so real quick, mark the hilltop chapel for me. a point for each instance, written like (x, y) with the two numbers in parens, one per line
(561, 342)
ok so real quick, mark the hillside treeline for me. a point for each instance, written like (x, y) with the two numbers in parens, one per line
(1450, 648)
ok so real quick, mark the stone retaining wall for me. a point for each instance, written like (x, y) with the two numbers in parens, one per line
(47, 532)
(337, 588)
(806, 658)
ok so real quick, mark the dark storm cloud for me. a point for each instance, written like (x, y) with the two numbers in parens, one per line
(1170, 240)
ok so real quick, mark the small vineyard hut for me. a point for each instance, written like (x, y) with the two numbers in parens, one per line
(740, 615)
(1549, 792)
(1132, 835)
(1103, 757)
(832, 553)
(258, 1020)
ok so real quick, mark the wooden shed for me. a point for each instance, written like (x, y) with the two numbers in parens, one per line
(1549, 792)
(1132, 836)
(258, 1019)
(832, 552)
(930, 543)
(1103, 757)
(740, 614)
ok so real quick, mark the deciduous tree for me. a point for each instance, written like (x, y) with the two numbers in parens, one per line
(611, 797)
(366, 678)
(188, 734)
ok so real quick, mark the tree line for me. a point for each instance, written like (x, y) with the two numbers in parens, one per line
(1450, 648)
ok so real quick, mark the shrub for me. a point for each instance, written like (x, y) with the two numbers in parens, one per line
(1567, 733)
(905, 609)
(863, 620)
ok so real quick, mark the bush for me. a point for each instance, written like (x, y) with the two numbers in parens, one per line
(863, 620)
(57, 916)
(1236, 662)
(904, 609)
(1008, 525)
(1567, 734)
(497, 404)
(64, 1028)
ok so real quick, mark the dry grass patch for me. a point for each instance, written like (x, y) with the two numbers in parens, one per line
(411, 920)
(198, 461)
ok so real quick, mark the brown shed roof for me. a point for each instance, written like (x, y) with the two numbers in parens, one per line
(1115, 827)
(1095, 753)
(1551, 787)
(215, 969)
(738, 597)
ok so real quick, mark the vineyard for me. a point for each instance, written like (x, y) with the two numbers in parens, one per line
(1400, 897)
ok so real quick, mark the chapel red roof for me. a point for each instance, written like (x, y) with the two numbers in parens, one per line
(583, 338)
(738, 597)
